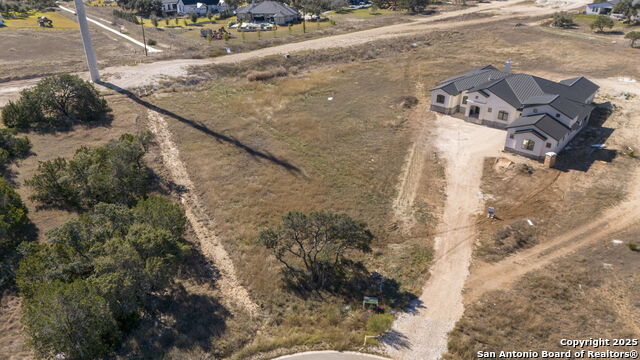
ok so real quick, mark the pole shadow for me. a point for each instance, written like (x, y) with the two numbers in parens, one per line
(204, 129)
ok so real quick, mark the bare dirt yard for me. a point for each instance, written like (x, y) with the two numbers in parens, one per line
(334, 130)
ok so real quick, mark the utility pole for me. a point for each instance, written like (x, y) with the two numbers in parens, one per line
(144, 40)
(86, 41)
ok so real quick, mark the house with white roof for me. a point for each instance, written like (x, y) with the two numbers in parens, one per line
(539, 115)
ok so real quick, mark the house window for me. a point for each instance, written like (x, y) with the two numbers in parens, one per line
(440, 99)
(476, 96)
(548, 145)
(511, 136)
(528, 144)
(489, 109)
(535, 110)
(558, 115)
(464, 99)
(503, 115)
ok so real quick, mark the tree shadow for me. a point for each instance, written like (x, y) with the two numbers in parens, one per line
(351, 282)
(182, 320)
(396, 340)
(204, 129)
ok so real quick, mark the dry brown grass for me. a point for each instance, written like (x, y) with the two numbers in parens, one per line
(259, 149)
(591, 294)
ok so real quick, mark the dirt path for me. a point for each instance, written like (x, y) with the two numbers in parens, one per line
(412, 170)
(143, 74)
(500, 275)
(486, 277)
(422, 333)
(234, 293)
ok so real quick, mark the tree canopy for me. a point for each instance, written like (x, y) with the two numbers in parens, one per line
(563, 19)
(15, 228)
(601, 22)
(12, 147)
(143, 7)
(98, 273)
(313, 248)
(56, 102)
(113, 173)
(627, 9)
(22, 6)
(633, 36)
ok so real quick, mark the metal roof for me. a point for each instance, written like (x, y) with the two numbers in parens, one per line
(543, 122)
(268, 7)
(455, 85)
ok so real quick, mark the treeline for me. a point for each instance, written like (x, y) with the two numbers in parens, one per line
(15, 226)
(22, 6)
(143, 7)
(409, 5)
(96, 277)
(126, 15)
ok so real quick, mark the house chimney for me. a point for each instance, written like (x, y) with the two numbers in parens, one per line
(507, 66)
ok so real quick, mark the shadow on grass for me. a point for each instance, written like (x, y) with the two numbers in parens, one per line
(204, 129)
(182, 320)
(351, 282)
(396, 340)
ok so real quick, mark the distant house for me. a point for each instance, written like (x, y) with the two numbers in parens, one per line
(601, 8)
(539, 115)
(268, 12)
(604, 8)
(200, 7)
(171, 6)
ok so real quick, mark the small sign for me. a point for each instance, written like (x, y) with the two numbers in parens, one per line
(370, 300)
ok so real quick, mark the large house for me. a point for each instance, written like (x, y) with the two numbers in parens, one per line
(605, 8)
(540, 115)
(200, 7)
(268, 12)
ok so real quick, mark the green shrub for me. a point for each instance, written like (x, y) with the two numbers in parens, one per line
(96, 276)
(562, 19)
(601, 22)
(126, 15)
(113, 173)
(151, 42)
(634, 247)
(56, 102)
(12, 147)
(14, 229)
(70, 319)
(378, 324)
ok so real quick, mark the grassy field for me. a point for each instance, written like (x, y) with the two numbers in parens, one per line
(29, 21)
(335, 140)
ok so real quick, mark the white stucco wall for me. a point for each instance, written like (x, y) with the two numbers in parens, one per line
(448, 99)
(495, 103)
(540, 147)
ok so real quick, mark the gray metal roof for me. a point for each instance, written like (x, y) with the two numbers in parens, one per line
(455, 85)
(543, 122)
(206, 2)
(268, 7)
